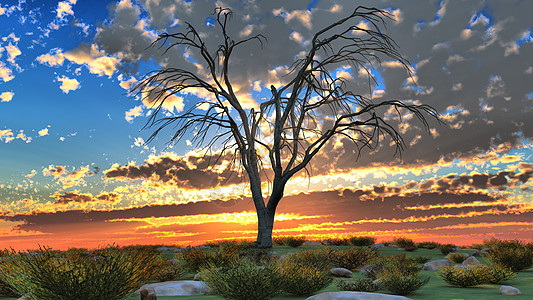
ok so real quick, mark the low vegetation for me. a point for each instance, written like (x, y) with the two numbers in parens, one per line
(515, 255)
(457, 257)
(238, 270)
(359, 285)
(244, 280)
(109, 273)
(362, 241)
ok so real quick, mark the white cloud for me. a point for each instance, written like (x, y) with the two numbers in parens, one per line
(64, 8)
(43, 132)
(13, 51)
(54, 57)
(133, 113)
(6, 96)
(126, 84)
(6, 135)
(94, 59)
(304, 16)
(5, 73)
(68, 84)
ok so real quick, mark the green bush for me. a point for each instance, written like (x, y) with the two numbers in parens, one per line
(400, 283)
(244, 280)
(421, 259)
(319, 257)
(336, 242)
(195, 259)
(304, 279)
(362, 241)
(167, 270)
(108, 273)
(464, 276)
(398, 263)
(278, 240)
(295, 241)
(513, 254)
(359, 285)
(427, 245)
(353, 258)
(457, 257)
(499, 274)
(404, 243)
(257, 255)
(446, 249)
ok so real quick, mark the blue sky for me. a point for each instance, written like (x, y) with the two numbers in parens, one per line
(71, 138)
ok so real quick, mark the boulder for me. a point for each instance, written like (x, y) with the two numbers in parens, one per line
(355, 296)
(148, 293)
(341, 272)
(209, 291)
(175, 288)
(471, 261)
(23, 298)
(393, 246)
(313, 243)
(198, 277)
(376, 246)
(436, 264)
(509, 290)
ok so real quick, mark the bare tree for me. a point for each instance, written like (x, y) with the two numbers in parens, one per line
(285, 128)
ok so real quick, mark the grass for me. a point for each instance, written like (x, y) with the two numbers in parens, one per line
(436, 289)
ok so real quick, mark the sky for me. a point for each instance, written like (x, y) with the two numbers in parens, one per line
(76, 171)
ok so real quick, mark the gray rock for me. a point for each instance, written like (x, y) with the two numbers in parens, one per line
(198, 277)
(376, 246)
(355, 296)
(341, 272)
(471, 261)
(148, 293)
(202, 247)
(23, 298)
(313, 243)
(209, 291)
(393, 246)
(509, 290)
(436, 264)
(175, 288)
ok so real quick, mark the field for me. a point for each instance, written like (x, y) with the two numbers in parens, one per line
(436, 288)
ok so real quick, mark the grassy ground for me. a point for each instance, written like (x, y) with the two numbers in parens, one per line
(436, 289)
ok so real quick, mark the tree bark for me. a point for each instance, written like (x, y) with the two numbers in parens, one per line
(265, 222)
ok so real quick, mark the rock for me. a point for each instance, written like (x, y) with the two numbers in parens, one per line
(393, 246)
(23, 298)
(436, 264)
(509, 290)
(202, 247)
(209, 291)
(355, 296)
(471, 261)
(148, 293)
(162, 249)
(457, 248)
(376, 246)
(283, 258)
(313, 243)
(175, 288)
(341, 272)
(198, 277)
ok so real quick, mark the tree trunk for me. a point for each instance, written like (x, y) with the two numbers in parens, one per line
(265, 224)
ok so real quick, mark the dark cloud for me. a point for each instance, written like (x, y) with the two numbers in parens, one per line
(75, 197)
(472, 73)
(194, 172)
